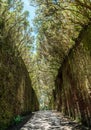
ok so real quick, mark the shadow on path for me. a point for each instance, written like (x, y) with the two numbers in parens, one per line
(21, 124)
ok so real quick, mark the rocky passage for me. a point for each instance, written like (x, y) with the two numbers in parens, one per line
(51, 120)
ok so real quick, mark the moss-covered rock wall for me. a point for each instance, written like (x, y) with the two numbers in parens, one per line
(16, 94)
(72, 94)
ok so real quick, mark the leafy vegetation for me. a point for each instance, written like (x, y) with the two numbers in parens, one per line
(60, 43)
(17, 119)
(58, 25)
(15, 43)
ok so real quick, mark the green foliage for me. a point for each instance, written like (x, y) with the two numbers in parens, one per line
(73, 82)
(15, 45)
(58, 25)
(18, 119)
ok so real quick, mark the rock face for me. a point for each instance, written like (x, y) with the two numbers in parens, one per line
(16, 94)
(72, 94)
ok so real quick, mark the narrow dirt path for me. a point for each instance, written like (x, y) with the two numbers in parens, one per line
(51, 120)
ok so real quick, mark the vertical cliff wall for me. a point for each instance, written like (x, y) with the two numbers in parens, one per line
(72, 94)
(16, 94)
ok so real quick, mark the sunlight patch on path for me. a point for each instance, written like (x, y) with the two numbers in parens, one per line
(50, 120)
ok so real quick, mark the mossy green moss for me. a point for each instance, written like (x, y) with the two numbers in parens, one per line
(15, 87)
(73, 83)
